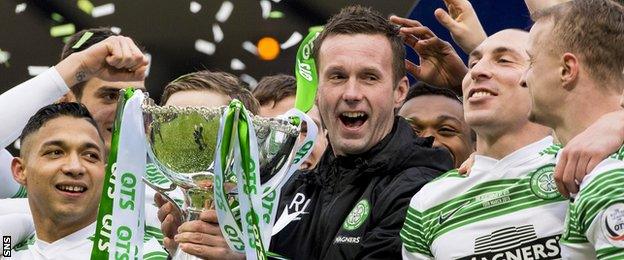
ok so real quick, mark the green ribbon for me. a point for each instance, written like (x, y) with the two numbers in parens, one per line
(85, 37)
(305, 71)
(101, 244)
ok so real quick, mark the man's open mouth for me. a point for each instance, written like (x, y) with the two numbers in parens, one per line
(71, 188)
(353, 119)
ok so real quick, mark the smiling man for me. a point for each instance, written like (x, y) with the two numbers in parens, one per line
(352, 205)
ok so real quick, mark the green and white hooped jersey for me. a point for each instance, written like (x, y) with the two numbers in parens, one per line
(505, 209)
(595, 219)
(77, 246)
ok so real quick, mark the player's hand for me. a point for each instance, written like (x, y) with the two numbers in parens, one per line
(170, 220)
(116, 58)
(466, 166)
(462, 21)
(203, 238)
(588, 149)
(439, 63)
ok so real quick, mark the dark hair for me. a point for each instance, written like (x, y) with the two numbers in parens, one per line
(424, 89)
(221, 82)
(99, 34)
(592, 29)
(357, 19)
(57, 110)
(275, 88)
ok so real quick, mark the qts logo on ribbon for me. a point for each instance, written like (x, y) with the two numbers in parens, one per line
(613, 219)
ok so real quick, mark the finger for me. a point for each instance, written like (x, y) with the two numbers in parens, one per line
(164, 210)
(128, 60)
(568, 172)
(422, 32)
(445, 19)
(203, 251)
(170, 226)
(200, 238)
(209, 216)
(200, 226)
(412, 69)
(580, 172)
(115, 52)
(591, 165)
(159, 200)
(404, 21)
(170, 245)
(559, 169)
(125, 54)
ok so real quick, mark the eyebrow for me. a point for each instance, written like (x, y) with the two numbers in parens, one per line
(62, 144)
(109, 89)
(440, 118)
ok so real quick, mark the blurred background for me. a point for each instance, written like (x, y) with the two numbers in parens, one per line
(182, 36)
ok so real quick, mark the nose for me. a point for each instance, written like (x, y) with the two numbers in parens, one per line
(480, 71)
(352, 93)
(523, 82)
(73, 166)
(428, 132)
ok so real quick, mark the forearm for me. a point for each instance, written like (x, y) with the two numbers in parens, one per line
(8, 186)
(19, 103)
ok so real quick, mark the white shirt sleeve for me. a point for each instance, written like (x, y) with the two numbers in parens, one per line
(19, 103)
(19, 226)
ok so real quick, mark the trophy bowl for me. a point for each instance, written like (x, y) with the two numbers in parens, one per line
(182, 142)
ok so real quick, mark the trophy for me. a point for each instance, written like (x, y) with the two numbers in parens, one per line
(181, 142)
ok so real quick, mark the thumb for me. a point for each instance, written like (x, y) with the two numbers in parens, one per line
(445, 19)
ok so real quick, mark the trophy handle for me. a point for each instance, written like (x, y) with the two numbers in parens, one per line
(163, 192)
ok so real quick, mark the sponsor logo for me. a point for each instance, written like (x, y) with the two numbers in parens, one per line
(346, 240)
(6, 246)
(297, 207)
(444, 218)
(357, 216)
(613, 219)
(543, 183)
(493, 198)
(515, 243)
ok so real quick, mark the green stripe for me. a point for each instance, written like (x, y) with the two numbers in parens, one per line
(155, 255)
(21, 193)
(610, 253)
(603, 191)
(411, 234)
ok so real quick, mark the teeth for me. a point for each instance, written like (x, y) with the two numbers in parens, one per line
(481, 94)
(353, 114)
(71, 188)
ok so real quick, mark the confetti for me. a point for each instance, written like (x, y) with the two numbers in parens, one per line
(4, 57)
(57, 17)
(276, 1)
(85, 5)
(295, 38)
(236, 64)
(62, 30)
(249, 80)
(204, 46)
(266, 8)
(217, 32)
(195, 7)
(250, 47)
(224, 12)
(20, 8)
(116, 30)
(36, 70)
(276, 14)
(85, 37)
(103, 10)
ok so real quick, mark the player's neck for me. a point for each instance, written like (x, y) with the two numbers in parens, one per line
(497, 145)
(51, 230)
(582, 112)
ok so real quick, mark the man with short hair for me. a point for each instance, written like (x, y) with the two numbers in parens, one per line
(352, 204)
(573, 83)
(438, 113)
(61, 164)
(276, 94)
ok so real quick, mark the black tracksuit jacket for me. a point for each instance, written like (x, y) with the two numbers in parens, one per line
(353, 207)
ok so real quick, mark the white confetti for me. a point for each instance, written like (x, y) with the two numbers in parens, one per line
(295, 38)
(224, 12)
(249, 80)
(103, 10)
(250, 47)
(195, 7)
(276, 1)
(4, 56)
(149, 64)
(17, 144)
(266, 8)
(236, 64)
(204, 46)
(36, 70)
(20, 8)
(116, 30)
(217, 32)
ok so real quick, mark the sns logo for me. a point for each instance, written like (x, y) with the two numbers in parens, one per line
(613, 219)
(6, 246)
